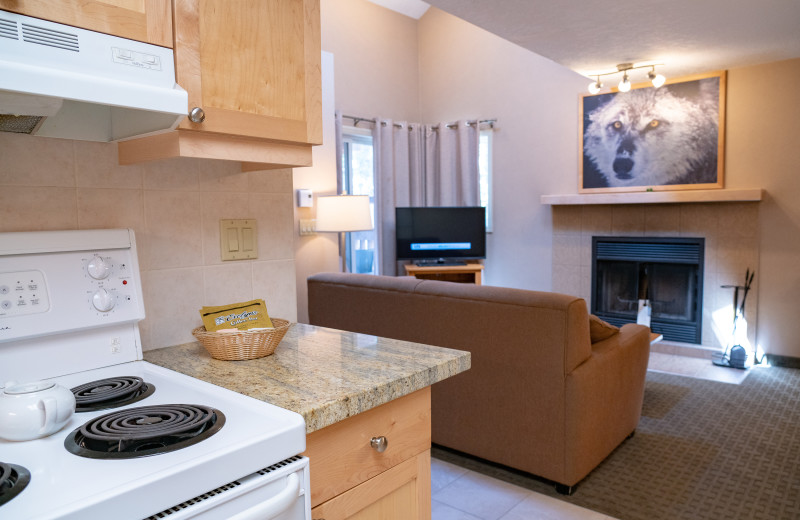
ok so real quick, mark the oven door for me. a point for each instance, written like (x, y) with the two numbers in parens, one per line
(279, 492)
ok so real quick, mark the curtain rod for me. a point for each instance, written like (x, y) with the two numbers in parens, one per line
(357, 120)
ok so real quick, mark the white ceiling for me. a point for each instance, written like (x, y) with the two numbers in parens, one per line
(412, 8)
(688, 36)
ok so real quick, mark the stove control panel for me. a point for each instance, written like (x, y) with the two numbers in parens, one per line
(23, 292)
(109, 283)
(67, 281)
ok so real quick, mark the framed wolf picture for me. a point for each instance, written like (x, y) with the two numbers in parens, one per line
(652, 139)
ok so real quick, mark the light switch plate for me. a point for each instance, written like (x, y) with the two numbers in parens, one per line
(308, 226)
(238, 239)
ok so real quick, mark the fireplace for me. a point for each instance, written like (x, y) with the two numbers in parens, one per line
(665, 274)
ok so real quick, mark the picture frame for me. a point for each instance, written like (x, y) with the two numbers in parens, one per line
(654, 139)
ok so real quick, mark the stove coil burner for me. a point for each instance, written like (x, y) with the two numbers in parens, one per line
(144, 431)
(13, 480)
(110, 393)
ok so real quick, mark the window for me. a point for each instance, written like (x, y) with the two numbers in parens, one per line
(485, 173)
(358, 179)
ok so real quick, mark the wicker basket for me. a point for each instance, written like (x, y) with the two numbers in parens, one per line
(233, 346)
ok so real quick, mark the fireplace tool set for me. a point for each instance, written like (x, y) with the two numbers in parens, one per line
(735, 355)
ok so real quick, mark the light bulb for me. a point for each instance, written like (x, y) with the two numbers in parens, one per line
(595, 86)
(656, 79)
(625, 84)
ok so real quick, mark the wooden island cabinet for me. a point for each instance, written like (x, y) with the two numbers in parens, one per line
(352, 479)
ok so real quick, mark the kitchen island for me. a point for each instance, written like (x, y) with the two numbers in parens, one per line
(366, 403)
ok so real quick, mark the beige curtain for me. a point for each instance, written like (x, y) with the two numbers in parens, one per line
(419, 165)
(451, 165)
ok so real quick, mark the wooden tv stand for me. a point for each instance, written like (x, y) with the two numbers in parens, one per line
(470, 273)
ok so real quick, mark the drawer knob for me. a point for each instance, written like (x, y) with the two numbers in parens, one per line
(197, 115)
(379, 443)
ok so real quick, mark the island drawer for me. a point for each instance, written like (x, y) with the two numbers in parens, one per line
(341, 455)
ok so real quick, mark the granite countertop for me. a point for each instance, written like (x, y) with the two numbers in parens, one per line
(325, 375)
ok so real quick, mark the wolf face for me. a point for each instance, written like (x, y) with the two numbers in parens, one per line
(652, 137)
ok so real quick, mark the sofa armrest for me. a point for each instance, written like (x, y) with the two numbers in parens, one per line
(604, 398)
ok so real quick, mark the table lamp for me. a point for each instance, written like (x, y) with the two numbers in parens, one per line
(343, 214)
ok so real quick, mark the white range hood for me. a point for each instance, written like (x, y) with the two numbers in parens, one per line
(61, 81)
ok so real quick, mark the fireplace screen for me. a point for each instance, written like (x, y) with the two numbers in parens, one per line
(666, 273)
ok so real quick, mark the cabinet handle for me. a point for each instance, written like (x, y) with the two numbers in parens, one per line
(379, 443)
(196, 115)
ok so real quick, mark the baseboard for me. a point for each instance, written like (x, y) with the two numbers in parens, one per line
(783, 361)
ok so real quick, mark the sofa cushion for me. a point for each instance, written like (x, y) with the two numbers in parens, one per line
(600, 330)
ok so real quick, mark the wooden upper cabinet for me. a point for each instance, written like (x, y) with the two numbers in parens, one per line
(148, 21)
(252, 66)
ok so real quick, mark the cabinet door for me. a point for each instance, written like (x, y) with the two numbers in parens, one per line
(148, 21)
(400, 493)
(253, 67)
(341, 454)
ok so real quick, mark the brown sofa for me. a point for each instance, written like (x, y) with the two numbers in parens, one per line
(540, 396)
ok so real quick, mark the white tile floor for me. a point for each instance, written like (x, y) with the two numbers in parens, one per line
(461, 494)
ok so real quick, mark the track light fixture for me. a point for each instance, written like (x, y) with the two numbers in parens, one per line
(625, 85)
(595, 87)
(656, 79)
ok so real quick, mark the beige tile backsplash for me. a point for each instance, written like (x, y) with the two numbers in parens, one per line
(174, 207)
(731, 237)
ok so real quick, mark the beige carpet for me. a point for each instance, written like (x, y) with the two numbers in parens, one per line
(703, 450)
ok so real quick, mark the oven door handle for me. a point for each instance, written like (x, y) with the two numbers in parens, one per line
(275, 505)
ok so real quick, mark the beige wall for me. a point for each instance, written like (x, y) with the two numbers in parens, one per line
(763, 150)
(468, 72)
(319, 252)
(174, 207)
(463, 71)
(370, 63)
(375, 50)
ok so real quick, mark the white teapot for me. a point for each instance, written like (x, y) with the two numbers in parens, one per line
(33, 410)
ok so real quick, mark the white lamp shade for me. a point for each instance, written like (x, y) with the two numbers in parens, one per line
(343, 213)
(658, 80)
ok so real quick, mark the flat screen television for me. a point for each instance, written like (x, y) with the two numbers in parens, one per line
(431, 236)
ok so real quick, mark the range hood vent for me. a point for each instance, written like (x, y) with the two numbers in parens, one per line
(8, 29)
(50, 37)
(61, 81)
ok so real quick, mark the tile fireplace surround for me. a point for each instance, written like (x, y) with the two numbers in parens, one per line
(730, 230)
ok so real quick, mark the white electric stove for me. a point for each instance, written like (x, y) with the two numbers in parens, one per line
(70, 302)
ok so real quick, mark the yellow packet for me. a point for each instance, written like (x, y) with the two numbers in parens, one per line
(242, 316)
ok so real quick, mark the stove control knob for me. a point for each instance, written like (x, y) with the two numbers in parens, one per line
(98, 268)
(103, 301)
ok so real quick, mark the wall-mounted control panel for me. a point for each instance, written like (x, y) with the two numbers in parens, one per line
(305, 198)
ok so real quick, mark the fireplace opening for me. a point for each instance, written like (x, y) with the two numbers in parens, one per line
(666, 273)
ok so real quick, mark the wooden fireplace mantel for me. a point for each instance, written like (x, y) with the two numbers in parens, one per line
(655, 197)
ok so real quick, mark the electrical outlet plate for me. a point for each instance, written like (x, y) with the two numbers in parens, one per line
(238, 239)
